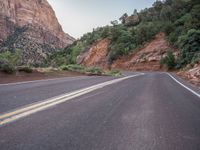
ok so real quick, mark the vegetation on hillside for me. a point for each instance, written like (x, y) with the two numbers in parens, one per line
(179, 19)
(89, 70)
(9, 62)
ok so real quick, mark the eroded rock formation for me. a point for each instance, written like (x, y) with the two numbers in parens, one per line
(31, 25)
(96, 55)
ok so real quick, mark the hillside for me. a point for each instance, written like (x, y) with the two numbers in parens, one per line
(146, 58)
(32, 27)
(166, 35)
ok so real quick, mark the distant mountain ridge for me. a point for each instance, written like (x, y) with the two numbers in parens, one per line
(32, 26)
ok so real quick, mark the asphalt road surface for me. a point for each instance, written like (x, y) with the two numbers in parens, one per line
(150, 111)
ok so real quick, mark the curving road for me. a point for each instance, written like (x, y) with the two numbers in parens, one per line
(150, 111)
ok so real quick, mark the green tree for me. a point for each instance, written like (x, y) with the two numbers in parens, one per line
(123, 18)
(190, 47)
(195, 12)
(166, 13)
(114, 23)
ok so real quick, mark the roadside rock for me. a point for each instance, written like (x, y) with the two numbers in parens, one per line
(193, 74)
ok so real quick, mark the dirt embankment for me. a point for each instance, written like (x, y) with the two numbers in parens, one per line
(192, 75)
(96, 55)
(35, 75)
(146, 58)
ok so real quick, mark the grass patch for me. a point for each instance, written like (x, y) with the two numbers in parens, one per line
(73, 67)
(90, 70)
(82, 69)
(94, 70)
(115, 73)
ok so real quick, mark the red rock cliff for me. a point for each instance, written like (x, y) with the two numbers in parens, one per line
(34, 20)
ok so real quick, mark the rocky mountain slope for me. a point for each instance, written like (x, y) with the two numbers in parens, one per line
(146, 58)
(31, 25)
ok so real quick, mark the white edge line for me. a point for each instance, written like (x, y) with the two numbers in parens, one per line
(192, 91)
(43, 80)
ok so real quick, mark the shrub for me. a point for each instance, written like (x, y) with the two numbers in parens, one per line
(26, 69)
(168, 28)
(190, 47)
(11, 57)
(169, 60)
(7, 67)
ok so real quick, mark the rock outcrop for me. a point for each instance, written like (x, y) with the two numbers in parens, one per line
(132, 20)
(96, 55)
(31, 25)
(192, 74)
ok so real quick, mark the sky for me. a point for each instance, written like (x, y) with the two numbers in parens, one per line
(78, 17)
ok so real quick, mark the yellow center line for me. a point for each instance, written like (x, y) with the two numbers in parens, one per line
(28, 110)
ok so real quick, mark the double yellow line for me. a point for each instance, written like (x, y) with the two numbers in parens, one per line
(36, 107)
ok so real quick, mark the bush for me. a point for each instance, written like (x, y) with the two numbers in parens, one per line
(146, 31)
(122, 42)
(190, 47)
(7, 67)
(169, 60)
(26, 69)
(11, 57)
(168, 28)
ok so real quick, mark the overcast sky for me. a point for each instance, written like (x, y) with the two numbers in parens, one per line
(81, 16)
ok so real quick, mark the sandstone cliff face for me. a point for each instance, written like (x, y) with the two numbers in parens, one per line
(31, 25)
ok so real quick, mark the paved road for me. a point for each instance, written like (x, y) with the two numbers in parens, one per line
(16, 95)
(146, 112)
